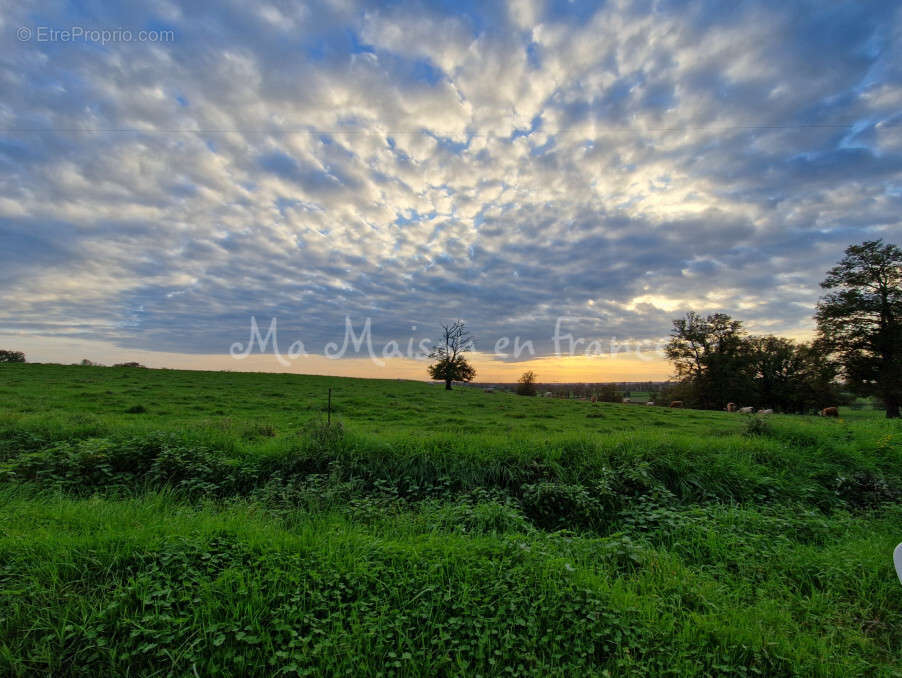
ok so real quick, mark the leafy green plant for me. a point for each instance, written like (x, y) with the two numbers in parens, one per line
(756, 425)
(559, 505)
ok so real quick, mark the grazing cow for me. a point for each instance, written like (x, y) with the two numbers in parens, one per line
(488, 390)
(547, 394)
(746, 410)
(768, 411)
(731, 407)
(650, 402)
(594, 399)
(626, 400)
(676, 403)
(829, 412)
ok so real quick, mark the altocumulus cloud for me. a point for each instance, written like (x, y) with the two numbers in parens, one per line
(618, 162)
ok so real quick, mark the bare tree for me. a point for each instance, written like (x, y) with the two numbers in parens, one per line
(450, 363)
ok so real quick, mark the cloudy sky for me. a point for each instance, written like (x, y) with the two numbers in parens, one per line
(611, 163)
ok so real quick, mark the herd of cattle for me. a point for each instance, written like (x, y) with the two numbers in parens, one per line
(731, 407)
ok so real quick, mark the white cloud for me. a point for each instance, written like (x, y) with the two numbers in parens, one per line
(510, 166)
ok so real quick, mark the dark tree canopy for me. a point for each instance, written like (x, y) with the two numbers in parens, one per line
(717, 362)
(450, 363)
(609, 393)
(12, 357)
(860, 321)
(790, 376)
(709, 352)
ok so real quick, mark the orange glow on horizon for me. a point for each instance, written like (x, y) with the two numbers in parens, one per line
(619, 367)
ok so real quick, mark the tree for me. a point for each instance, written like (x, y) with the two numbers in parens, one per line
(609, 393)
(790, 377)
(12, 357)
(860, 322)
(450, 363)
(709, 355)
(526, 384)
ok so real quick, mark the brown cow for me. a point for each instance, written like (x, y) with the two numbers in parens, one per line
(829, 412)
(732, 407)
(676, 403)
(594, 399)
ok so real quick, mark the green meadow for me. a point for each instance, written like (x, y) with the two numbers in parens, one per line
(157, 522)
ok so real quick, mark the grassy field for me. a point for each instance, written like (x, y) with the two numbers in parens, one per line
(158, 522)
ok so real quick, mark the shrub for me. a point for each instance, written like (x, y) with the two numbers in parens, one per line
(557, 506)
(609, 393)
(866, 489)
(756, 425)
(199, 472)
(12, 357)
(526, 384)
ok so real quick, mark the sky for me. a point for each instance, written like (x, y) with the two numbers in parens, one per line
(565, 177)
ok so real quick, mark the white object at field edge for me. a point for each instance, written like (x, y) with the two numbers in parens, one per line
(897, 559)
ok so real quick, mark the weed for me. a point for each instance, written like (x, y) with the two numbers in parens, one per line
(756, 425)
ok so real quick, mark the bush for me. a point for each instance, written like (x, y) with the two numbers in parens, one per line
(609, 393)
(199, 472)
(12, 357)
(756, 425)
(865, 490)
(526, 384)
(559, 506)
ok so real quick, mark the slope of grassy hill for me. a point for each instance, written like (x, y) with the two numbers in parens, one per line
(162, 522)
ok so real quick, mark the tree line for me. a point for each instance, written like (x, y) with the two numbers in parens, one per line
(858, 346)
(717, 362)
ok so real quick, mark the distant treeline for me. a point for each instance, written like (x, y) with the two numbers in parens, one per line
(717, 362)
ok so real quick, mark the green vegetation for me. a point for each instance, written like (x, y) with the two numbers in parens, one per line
(717, 363)
(860, 321)
(196, 523)
(526, 384)
(859, 341)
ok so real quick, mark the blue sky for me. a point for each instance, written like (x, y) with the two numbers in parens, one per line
(618, 162)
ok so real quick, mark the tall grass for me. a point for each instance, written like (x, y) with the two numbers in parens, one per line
(213, 536)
